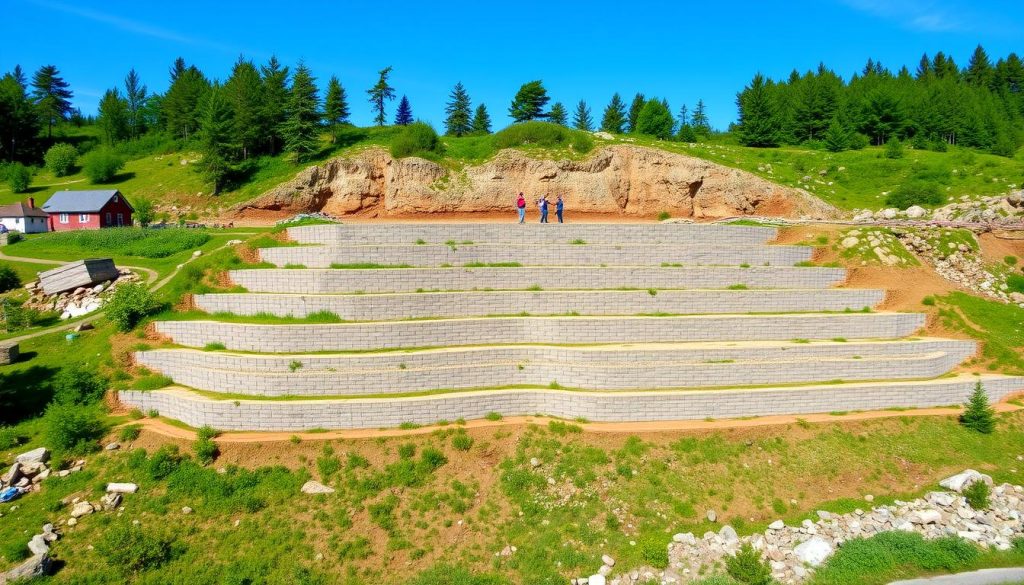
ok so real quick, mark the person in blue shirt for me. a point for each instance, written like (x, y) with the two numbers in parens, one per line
(559, 207)
(542, 203)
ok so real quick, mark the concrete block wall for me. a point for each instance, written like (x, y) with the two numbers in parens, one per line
(546, 330)
(479, 304)
(272, 415)
(594, 355)
(563, 254)
(513, 233)
(602, 377)
(328, 281)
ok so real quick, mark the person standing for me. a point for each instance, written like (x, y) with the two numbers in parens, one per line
(521, 206)
(542, 203)
(559, 207)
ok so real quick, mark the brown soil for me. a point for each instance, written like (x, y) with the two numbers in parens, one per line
(262, 217)
(996, 246)
(248, 254)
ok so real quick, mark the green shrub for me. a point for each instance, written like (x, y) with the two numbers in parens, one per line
(462, 441)
(163, 462)
(747, 566)
(130, 550)
(129, 433)
(544, 134)
(977, 494)
(1015, 283)
(8, 278)
(664, 215)
(928, 301)
(406, 451)
(78, 384)
(19, 177)
(130, 304)
(862, 560)
(152, 382)
(101, 166)
(1010, 260)
(456, 575)
(653, 551)
(416, 139)
(206, 451)
(914, 193)
(72, 428)
(493, 416)
(894, 148)
(60, 158)
(127, 241)
(978, 415)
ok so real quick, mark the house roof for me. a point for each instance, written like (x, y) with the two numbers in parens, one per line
(79, 201)
(20, 209)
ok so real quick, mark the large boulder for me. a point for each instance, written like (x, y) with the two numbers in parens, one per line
(958, 482)
(813, 552)
(35, 567)
(40, 455)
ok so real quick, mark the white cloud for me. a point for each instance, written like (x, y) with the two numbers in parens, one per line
(921, 15)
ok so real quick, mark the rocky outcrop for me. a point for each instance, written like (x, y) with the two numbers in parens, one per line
(619, 179)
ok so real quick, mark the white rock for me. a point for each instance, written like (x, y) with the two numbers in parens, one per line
(40, 455)
(850, 242)
(608, 560)
(315, 487)
(38, 546)
(685, 538)
(926, 517)
(122, 488)
(82, 509)
(889, 213)
(197, 253)
(777, 525)
(728, 534)
(915, 212)
(814, 551)
(958, 482)
(186, 510)
(944, 499)
(712, 516)
(597, 579)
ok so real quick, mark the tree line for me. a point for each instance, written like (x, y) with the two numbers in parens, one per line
(980, 106)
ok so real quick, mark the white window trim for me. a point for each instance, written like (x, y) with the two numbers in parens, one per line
(83, 218)
(65, 218)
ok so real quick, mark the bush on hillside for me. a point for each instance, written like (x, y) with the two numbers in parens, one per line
(125, 241)
(977, 494)
(18, 177)
(101, 165)
(978, 415)
(130, 549)
(914, 193)
(894, 148)
(747, 566)
(1015, 283)
(859, 559)
(72, 428)
(129, 305)
(8, 278)
(416, 139)
(77, 384)
(545, 134)
(60, 158)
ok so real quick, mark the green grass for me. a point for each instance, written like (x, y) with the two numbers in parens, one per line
(113, 241)
(368, 266)
(997, 325)
(27, 271)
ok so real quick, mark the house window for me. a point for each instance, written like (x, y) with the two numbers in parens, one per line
(83, 218)
(120, 219)
(110, 220)
(115, 198)
(64, 218)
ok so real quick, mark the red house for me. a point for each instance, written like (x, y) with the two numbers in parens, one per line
(87, 210)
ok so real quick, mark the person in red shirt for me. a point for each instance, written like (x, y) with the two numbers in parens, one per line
(521, 206)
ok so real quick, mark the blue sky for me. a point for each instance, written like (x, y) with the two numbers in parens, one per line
(682, 51)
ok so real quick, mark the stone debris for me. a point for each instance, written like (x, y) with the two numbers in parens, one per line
(794, 551)
(122, 488)
(315, 487)
(81, 301)
(994, 210)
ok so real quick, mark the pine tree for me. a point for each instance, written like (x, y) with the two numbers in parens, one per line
(215, 137)
(458, 122)
(381, 93)
(700, 122)
(135, 95)
(19, 123)
(924, 68)
(634, 110)
(301, 127)
(656, 120)
(113, 117)
(837, 136)
(581, 119)
(181, 104)
(978, 415)
(274, 79)
(481, 120)
(684, 116)
(558, 114)
(51, 95)
(979, 71)
(403, 116)
(19, 76)
(529, 102)
(759, 123)
(244, 91)
(335, 107)
(614, 117)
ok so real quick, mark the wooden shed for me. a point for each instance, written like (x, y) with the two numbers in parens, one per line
(88, 272)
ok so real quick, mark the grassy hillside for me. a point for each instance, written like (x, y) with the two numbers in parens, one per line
(849, 180)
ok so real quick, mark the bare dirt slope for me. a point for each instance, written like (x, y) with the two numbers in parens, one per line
(618, 180)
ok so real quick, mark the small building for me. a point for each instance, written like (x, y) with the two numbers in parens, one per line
(87, 210)
(24, 217)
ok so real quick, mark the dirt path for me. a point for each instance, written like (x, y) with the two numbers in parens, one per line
(162, 427)
(982, 577)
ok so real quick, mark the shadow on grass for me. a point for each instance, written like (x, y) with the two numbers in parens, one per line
(25, 393)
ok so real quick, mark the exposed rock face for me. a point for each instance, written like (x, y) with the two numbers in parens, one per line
(618, 179)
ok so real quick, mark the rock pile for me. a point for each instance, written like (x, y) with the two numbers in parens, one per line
(81, 301)
(28, 471)
(794, 551)
(996, 210)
